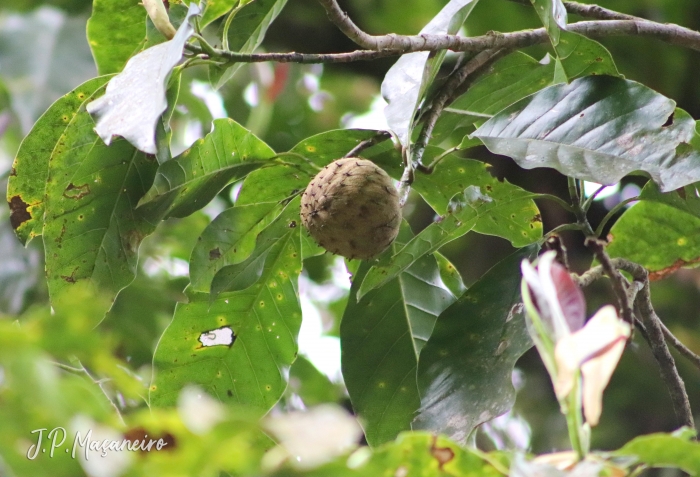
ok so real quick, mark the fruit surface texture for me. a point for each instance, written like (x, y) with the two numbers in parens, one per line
(351, 208)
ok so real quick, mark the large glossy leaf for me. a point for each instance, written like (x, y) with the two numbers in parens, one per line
(661, 231)
(228, 239)
(256, 328)
(136, 97)
(552, 13)
(665, 450)
(27, 182)
(406, 82)
(464, 374)
(381, 337)
(246, 32)
(598, 128)
(116, 31)
(188, 182)
(215, 9)
(91, 231)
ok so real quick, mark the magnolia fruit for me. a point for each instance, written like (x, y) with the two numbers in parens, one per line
(351, 208)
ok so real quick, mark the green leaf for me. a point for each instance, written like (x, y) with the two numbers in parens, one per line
(217, 8)
(464, 374)
(293, 171)
(660, 237)
(270, 244)
(665, 450)
(246, 31)
(311, 385)
(136, 97)
(450, 275)
(510, 213)
(405, 84)
(91, 231)
(581, 56)
(27, 181)
(115, 31)
(598, 128)
(447, 228)
(427, 455)
(227, 240)
(507, 81)
(265, 321)
(381, 337)
(188, 182)
(552, 13)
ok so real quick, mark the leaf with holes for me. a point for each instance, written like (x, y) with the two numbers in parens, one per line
(91, 231)
(240, 346)
(598, 128)
(407, 81)
(27, 181)
(190, 181)
(381, 337)
(464, 374)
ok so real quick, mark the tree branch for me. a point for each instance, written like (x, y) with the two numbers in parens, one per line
(618, 281)
(588, 11)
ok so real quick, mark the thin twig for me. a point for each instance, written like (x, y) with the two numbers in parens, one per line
(367, 143)
(589, 11)
(618, 281)
(680, 347)
(669, 372)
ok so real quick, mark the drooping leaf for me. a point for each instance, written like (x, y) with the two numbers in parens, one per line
(188, 182)
(598, 128)
(256, 329)
(135, 98)
(115, 31)
(228, 239)
(464, 374)
(553, 15)
(246, 32)
(405, 84)
(665, 450)
(510, 213)
(270, 243)
(91, 231)
(381, 337)
(27, 181)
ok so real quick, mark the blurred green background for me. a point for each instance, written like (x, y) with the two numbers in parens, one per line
(44, 54)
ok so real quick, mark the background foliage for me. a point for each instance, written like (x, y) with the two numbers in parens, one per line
(108, 307)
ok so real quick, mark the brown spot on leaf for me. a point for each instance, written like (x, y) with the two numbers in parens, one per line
(214, 254)
(536, 218)
(18, 211)
(442, 454)
(76, 192)
(71, 278)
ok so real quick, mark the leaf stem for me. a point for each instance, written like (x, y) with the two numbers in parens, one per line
(612, 213)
